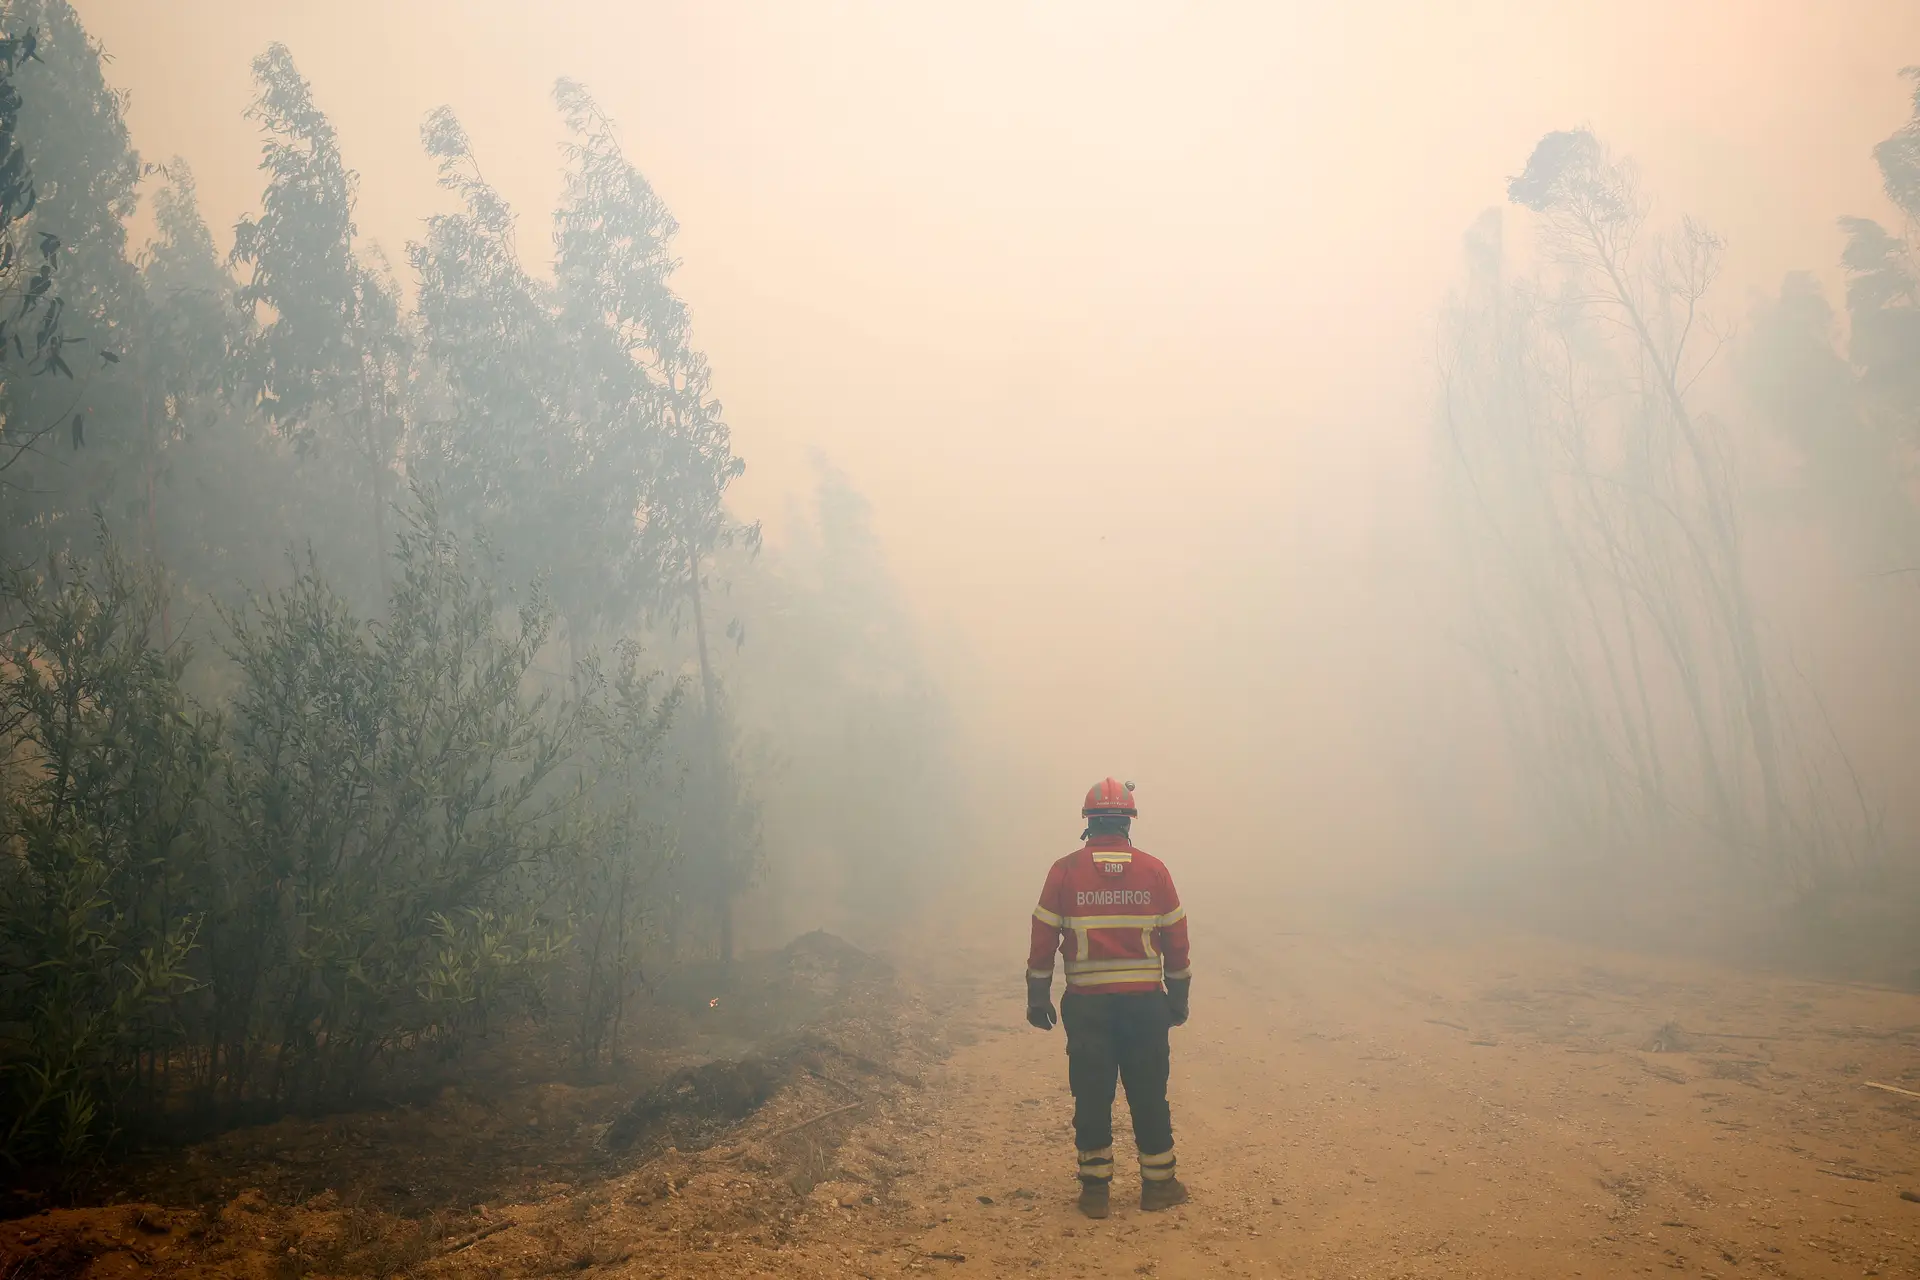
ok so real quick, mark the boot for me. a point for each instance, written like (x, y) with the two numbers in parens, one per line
(1093, 1197)
(1164, 1194)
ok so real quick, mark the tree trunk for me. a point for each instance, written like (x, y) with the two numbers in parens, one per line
(379, 477)
(1735, 607)
(153, 516)
(721, 884)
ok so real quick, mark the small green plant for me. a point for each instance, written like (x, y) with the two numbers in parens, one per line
(390, 790)
(392, 840)
(109, 767)
(623, 851)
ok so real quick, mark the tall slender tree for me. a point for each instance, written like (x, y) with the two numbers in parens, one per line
(667, 444)
(329, 366)
(73, 175)
(1883, 284)
(1607, 537)
(495, 436)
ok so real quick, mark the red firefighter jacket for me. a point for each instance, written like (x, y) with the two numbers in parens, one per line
(1112, 913)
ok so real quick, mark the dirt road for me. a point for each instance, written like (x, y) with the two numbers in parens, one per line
(1344, 1105)
(1349, 1107)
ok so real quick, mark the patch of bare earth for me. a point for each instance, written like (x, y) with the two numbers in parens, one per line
(722, 1139)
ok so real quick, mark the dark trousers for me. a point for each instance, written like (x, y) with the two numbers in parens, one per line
(1114, 1037)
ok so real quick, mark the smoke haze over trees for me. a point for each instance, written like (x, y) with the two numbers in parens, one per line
(1621, 507)
(393, 658)
(358, 694)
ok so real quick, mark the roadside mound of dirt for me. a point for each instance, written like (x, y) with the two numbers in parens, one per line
(726, 1121)
(695, 1103)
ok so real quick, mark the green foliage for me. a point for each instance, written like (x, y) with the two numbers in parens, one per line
(574, 424)
(501, 441)
(299, 250)
(70, 249)
(1849, 404)
(110, 768)
(213, 492)
(329, 368)
(1899, 157)
(35, 338)
(616, 884)
(1883, 284)
(380, 779)
(393, 840)
(1854, 464)
(375, 823)
(613, 263)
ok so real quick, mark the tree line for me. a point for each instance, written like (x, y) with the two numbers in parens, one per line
(358, 695)
(1606, 445)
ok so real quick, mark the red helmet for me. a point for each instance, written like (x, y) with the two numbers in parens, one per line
(1110, 797)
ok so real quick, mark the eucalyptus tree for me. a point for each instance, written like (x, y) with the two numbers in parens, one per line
(32, 307)
(182, 368)
(391, 801)
(1848, 403)
(1883, 289)
(1846, 398)
(573, 422)
(573, 425)
(1592, 217)
(328, 363)
(666, 440)
(68, 294)
(1572, 682)
(1856, 456)
(1607, 533)
(110, 768)
(613, 264)
(505, 436)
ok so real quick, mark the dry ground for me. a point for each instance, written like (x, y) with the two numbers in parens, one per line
(1346, 1105)
(1349, 1107)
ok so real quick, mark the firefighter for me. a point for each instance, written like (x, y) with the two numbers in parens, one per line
(1111, 911)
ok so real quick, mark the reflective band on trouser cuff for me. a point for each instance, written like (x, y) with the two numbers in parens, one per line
(1038, 974)
(1157, 1168)
(1097, 1165)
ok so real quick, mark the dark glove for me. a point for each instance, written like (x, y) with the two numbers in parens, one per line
(1040, 1003)
(1177, 989)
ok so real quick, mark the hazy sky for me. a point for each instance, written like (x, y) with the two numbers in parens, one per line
(1120, 313)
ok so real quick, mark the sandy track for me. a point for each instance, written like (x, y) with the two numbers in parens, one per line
(1378, 1109)
(1344, 1106)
